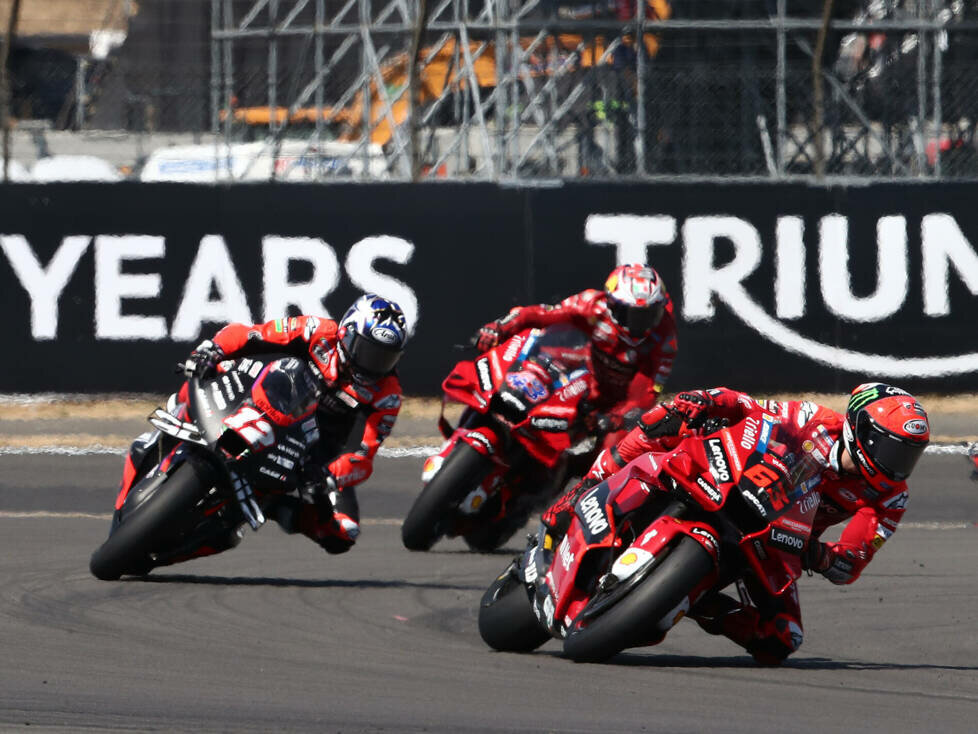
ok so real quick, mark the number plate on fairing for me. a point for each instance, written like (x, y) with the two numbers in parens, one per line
(529, 384)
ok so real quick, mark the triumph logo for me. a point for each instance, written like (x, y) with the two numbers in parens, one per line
(945, 254)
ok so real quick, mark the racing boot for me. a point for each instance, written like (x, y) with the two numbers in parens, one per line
(332, 521)
(768, 641)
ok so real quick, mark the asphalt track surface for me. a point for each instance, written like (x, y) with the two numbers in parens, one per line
(277, 636)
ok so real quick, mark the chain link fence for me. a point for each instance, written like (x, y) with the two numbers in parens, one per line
(205, 90)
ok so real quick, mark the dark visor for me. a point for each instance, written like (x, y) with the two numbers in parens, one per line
(369, 356)
(636, 320)
(893, 456)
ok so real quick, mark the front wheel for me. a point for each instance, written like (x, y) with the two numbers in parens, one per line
(127, 549)
(506, 619)
(435, 507)
(629, 621)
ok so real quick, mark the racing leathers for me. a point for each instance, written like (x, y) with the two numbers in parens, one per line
(629, 373)
(327, 510)
(770, 628)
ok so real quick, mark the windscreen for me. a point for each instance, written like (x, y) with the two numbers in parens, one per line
(290, 387)
(561, 349)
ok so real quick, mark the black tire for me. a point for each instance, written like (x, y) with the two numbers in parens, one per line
(491, 535)
(506, 619)
(628, 622)
(127, 549)
(435, 507)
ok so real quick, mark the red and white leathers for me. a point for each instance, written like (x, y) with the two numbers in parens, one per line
(629, 373)
(332, 518)
(770, 628)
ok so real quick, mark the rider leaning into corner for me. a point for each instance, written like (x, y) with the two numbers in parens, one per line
(865, 455)
(633, 342)
(356, 359)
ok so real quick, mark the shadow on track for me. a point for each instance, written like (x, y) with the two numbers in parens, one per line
(294, 583)
(745, 661)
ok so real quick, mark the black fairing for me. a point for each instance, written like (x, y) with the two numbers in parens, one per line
(272, 463)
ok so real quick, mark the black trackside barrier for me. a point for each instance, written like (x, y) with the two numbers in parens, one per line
(777, 287)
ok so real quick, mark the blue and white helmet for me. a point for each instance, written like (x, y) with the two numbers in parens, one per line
(373, 335)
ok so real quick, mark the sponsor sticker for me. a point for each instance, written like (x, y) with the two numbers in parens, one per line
(787, 540)
(482, 371)
(916, 427)
(718, 460)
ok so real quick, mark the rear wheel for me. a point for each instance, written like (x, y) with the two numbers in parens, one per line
(435, 507)
(630, 621)
(127, 549)
(506, 619)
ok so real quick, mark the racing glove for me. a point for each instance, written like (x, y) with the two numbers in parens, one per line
(350, 469)
(557, 517)
(488, 336)
(202, 360)
(822, 558)
(693, 406)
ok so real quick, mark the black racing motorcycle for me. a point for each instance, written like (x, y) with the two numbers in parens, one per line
(212, 465)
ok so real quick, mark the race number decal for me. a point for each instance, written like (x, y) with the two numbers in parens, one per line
(252, 427)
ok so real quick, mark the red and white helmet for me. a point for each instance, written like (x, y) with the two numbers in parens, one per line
(885, 432)
(636, 298)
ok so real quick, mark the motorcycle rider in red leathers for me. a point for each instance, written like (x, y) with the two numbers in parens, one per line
(866, 454)
(633, 341)
(356, 359)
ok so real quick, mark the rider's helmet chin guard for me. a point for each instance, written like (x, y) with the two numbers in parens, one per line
(373, 333)
(636, 299)
(885, 431)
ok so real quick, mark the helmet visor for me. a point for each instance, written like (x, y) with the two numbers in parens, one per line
(894, 457)
(636, 320)
(368, 356)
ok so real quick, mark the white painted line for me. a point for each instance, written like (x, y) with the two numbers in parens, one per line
(105, 516)
(957, 449)
(101, 450)
(396, 521)
(94, 450)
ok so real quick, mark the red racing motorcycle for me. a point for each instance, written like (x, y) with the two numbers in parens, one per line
(645, 545)
(515, 444)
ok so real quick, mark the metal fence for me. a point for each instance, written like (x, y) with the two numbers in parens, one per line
(542, 89)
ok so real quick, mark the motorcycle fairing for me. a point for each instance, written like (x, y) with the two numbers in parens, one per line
(571, 589)
(532, 383)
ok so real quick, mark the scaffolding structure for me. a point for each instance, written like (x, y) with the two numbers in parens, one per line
(541, 89)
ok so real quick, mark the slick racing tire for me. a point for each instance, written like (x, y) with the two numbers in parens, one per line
(628, 622)
(434, 509)
(126, 551)
(490, 535)
(506, 619)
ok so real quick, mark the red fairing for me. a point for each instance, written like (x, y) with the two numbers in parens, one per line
(483, 439)
(842, 496)
(548, 427)
(128, 475)
(629, 373)
(774, 458)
